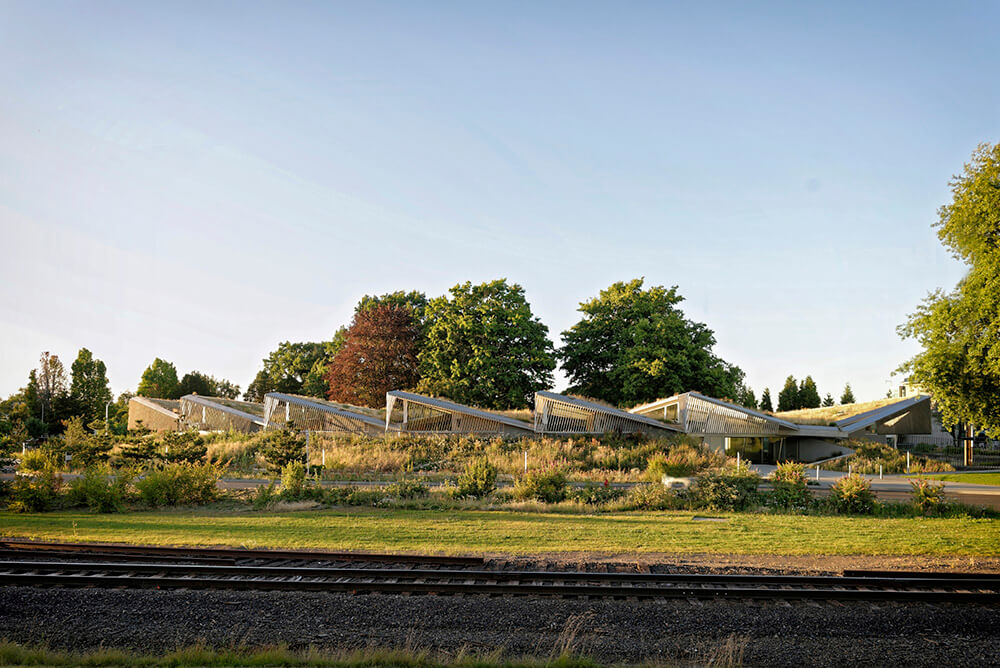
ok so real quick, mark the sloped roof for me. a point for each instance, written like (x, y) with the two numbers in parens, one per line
(327, 407)
(227, 406)
(452, 407)
(598, 407)
(660, 403)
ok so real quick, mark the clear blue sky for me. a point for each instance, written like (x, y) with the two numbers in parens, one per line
(199, 181)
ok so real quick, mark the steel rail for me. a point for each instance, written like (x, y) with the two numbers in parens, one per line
(238, 553)
(643, 585)
(258, 571)
(498, 589)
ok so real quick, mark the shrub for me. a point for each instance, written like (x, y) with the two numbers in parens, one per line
(596, 495)
(34, 492)
(39, 459)
(184, 446)
(869, 455)
(179, 484)
(683, 460)
(282, 447)
(546, 486)
(788, 483)
(407, 489)
(139, 451)
(478, 480)
(650, 497)
(293, 480)
(734, 489)
(265, 495)
(101, 491)
(928, 496)
(852, 494)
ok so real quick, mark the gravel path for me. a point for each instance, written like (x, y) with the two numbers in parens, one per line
(774, 633)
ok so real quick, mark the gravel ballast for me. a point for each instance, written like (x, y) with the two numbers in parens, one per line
(772, 633)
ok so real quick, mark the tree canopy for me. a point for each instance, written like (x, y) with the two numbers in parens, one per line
(379, 354)
(765, 400)
(808, 396)
(483, 346)
(958, 330)
(788, 398)
(159, 381)
(847, 397)
(197, 382)
(288, 369)
(635, 345)
(89, 385)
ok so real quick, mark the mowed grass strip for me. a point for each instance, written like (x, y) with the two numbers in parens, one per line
(971, 478)
(483, 532)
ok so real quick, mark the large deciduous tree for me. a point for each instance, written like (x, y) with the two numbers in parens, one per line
(197, 382)
(52, 389)
(379, 354)
(483, 346)
(288, 369)
(960, 330)
(635, 345)
(159, 381)
(89, 386)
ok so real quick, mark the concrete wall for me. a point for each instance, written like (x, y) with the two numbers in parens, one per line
(156, 414)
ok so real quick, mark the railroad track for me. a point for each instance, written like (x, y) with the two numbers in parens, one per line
(128, 567)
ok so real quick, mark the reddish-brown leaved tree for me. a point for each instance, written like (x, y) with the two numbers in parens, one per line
(379, 354)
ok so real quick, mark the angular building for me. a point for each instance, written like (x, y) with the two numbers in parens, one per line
(561, 414)
(218, 414)
(415, 413)
(154, 414)
(762, 438)
(310, 413)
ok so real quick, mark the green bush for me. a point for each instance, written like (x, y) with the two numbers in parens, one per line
(100, 490)
(596, 495)
(293, 480)
(407, 489)
(684, 460)
(265, 495)
(34, 492)
(870, 455)
(40, 459)
(547, 486)
(788, 486)
(184, 446)
(852, 494)
(928, 497)
(653, 496)
(179, 484)
(478, 480)
(281, 447)
(733, 489)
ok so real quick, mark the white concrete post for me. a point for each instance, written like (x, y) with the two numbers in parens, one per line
(817, 473)
(879, 471)
(907, 461)
(737, 460)
(850, 467)
(525, 461)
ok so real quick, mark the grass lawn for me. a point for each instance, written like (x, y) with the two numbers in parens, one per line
(971, 478)
(508, 532)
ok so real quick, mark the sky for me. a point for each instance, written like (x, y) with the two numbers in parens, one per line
(199, 181)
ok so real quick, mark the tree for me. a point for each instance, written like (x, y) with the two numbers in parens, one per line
(484, 347)
(745, 396)
(788, 398)
(286, 370)
(828, 400)
(765, 400)
(159, 381)
(379, 354)
(634, 345)
(808, 394)
(51, 387)
(958, 330)
(197, 382)
(89, 385)
(848, 396)
(415, 302)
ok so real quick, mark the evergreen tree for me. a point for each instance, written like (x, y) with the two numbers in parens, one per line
(848, 396)
(808, 394)
(828, 400)
(89, 386)
(788, 398)
(765, 400)
(745, 396)
(159, 381)
(200, 383)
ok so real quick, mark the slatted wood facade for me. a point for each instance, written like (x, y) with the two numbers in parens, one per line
(310, 413)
